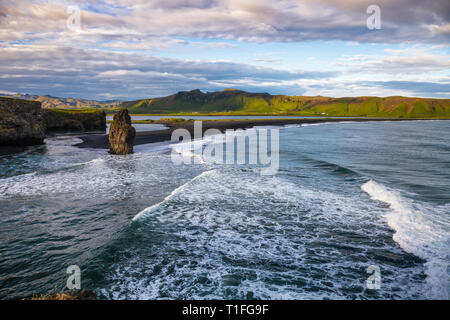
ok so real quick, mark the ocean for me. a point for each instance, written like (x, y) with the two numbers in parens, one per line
(347, 196)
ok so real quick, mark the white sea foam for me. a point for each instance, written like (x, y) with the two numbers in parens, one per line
(192, 149)
(314, 124)
(93, 161)
(422, 230)
(148, 210)
(288, 126)
(195, 147)
(238, 215)
(105, 177)
(326, 123)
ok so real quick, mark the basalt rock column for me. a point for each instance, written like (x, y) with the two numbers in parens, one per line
(121, 134)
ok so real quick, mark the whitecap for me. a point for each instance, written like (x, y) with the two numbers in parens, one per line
(420, 229)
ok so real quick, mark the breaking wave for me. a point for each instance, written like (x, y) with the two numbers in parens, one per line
(421, 230)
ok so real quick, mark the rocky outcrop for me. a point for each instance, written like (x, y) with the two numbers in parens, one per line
(69, 295)
(20, 122)
(74, 120)
(121, 134)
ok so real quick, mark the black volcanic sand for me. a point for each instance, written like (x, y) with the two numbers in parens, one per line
(100, 141)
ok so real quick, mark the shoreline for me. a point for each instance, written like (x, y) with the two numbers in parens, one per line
(100, 141)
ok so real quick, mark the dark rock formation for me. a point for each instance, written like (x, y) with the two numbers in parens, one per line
(121, 134)
(20, 122)
(68, 295)
(74, 120)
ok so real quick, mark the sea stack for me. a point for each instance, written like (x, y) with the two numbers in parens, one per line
(121, 134)
(21, 122)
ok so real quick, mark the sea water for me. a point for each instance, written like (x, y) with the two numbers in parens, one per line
(347, 196)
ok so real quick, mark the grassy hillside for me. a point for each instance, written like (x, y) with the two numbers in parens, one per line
(237, 102)
(68, 103)
(74, 119)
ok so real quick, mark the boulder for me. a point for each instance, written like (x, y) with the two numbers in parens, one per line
(121, 134)
(21, 122)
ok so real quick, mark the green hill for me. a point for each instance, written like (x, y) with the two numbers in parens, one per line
(235, 102)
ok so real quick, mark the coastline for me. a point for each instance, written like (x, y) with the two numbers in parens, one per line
(171, 191)
(100, 141)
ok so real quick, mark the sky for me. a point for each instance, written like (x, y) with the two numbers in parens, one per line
(122, 49)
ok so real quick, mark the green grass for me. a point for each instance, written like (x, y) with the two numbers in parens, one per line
(74, 111)
(174, 120)
(237, 103)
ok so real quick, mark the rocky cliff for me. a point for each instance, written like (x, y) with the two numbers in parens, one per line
(74, 120)
(121, 134)
(21, 122)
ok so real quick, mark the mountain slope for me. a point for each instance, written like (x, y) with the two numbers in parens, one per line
(232, 101)
(67, 103)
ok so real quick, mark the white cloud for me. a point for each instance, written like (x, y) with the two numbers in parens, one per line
(92, 72)
(400, 62)
(249, 20)
(111, 54)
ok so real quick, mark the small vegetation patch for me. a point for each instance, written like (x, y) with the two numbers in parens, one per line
(174, 120)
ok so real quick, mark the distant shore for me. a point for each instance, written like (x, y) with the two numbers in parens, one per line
(100, 141)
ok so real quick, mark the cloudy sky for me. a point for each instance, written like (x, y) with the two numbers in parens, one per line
(125, 49)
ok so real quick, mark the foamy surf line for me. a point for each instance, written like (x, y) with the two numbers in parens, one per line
(20, 177)
(418, 232)
(150, 209)
(71, 166)
(194, 148)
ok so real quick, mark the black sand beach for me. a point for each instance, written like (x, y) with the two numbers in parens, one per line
(100, 141)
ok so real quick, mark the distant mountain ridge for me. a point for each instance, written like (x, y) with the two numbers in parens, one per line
(66, 103)
(238, 102)
(232, 101)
